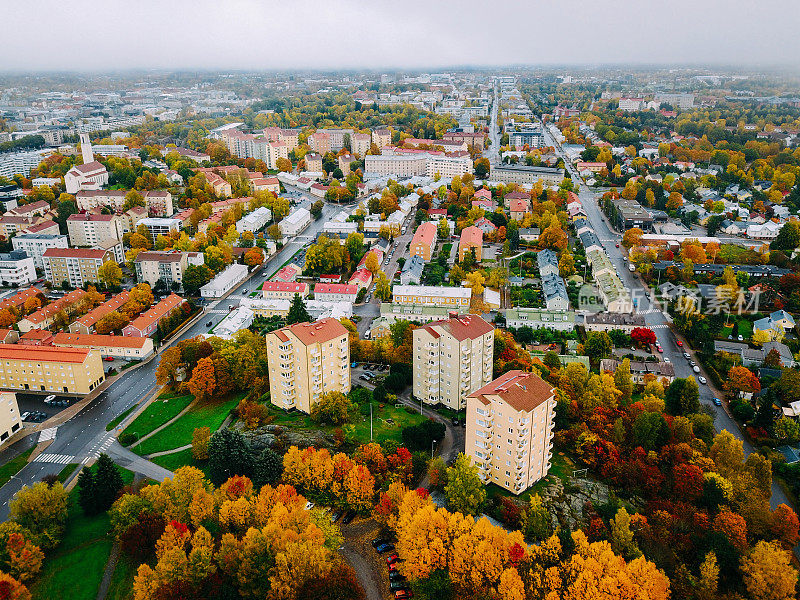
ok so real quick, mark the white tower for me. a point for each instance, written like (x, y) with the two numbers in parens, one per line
(86, 149)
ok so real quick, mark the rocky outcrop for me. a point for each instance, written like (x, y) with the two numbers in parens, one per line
(272, 436)
(566, 503)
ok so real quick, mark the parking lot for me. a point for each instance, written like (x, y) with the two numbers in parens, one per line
(34, 403)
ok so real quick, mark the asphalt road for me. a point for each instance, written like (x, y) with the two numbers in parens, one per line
(85, 434)
(655, 319)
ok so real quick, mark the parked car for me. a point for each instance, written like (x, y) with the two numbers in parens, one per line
(25, 416)
(398, 585)
(379, 542)
(702, 380)
(396, 576)
(680, 344)
(692, 363)
(50, 398)
(351, 514)
(403, 595)
(667, 359)
(335, 516)
(740, 337)
(686, 355)
(363, 377)
(209, 324)
(354, 365)
(455, 421)
(660, 349)
(108, 358)
(387, 547)
(717, 402)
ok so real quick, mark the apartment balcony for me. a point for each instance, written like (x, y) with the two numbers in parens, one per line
(522, 434)
(520, 452)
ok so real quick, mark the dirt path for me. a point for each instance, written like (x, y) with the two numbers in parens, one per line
(370, 567)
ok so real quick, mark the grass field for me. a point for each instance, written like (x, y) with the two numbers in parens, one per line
(387, 422)
(13, 466)
(159, 412)
(117, 420)
(74, 569)
(121, 587)
(180, 459)
(207, 414)
(67, 471)
(740, 326)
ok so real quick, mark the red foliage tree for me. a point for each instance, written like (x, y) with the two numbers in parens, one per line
(643, 335)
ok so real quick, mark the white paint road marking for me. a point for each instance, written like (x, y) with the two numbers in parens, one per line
(60, 459)
(47, 434)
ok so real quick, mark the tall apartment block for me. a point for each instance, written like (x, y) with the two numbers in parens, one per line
(510, 425)
(307, 360)
(452, 358)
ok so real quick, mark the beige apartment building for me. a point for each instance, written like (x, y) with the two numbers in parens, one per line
(75, 265)
(167, 266)
(49, 369)
(307, 360)
(381, 137)
(451, 359)
(424, 241)
(88, 229)
(510, 425)
(10, 421)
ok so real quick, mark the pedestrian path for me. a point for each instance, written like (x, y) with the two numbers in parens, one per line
(60, 459)
(99, 448)
(45, 435)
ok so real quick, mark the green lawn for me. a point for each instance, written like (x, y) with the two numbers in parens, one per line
(74, 569)
(387, 422)
(117, 420)
(180, 459)
(207, 414)
(561, 468)
(13, 466)
(67, 471)
(159, 412)
(740, 326)
(121, 587)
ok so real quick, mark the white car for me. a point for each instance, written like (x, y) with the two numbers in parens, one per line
(696, 369)
(667, 360)
(702, 380)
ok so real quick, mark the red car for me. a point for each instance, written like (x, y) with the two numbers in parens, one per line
(109, 358)
(403, 595)
(680, 344)
(392, 559)
(617, 245)
(660, 349)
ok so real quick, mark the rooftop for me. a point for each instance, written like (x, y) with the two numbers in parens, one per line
(522, 391)
(42, 353)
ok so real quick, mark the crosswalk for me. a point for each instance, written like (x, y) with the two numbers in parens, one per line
(99, 448)
(45, 435)
(59, 459)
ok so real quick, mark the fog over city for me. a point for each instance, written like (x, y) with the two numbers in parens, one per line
(251, 34)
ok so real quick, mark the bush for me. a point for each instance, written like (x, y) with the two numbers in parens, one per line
(742, 411)
(126, 439)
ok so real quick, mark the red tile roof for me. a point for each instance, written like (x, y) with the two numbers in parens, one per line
(462, 327)
(425, 234)
(471, 236)
(42, 353)
(335, 288)
(318, 332)
(156, 313)
(90, 167)
(94, 315)
(520, 390)
(48, 311)
(74, 253)
(94, 340)
(20, 297)
(284, 286)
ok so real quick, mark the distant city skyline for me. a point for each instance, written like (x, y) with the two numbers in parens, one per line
(86, 35)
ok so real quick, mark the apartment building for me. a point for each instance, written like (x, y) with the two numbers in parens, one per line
(10, 421)
(46, 317)
(157, 226)
(90, 229)
(34, 209)
(320, 142)
(307, 360)
(381, 137)
(115, 346)
(360, 143)
(313, 162)
(448, 166)
(48, 369)
(35, 244)
(282, 290)
(526, 175)
(471, 240)
(510, 424)
(16, 302)
(335, 292)
(295, 222)
(167, 266)
(16, 268)
(146, 323)
(157, 202)
(76, 266)
(429, 295)
(337, 138)
(86, 324)
(397, 165)
(452, 358)
(290, 137)
(424, 241)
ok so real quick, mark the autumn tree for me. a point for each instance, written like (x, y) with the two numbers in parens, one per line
(768, 574)
(332, 408)
(203, 380)
(682, 397)
(42, 510)
(741, 380)
(200, 439)
(12, 589)
(110, 274)
(168, 364)
(254, 257)
(113, 321)
(464, 491)
(372, 262)
(623, 381)
(632, 237)
(383, 289)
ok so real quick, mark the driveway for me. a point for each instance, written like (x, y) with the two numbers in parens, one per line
(370, 567)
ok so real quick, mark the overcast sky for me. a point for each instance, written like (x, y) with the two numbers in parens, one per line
(278, 34)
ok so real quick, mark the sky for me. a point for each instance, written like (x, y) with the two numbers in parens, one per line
(88, 35)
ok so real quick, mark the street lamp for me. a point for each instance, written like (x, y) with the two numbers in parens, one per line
(432, 443)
